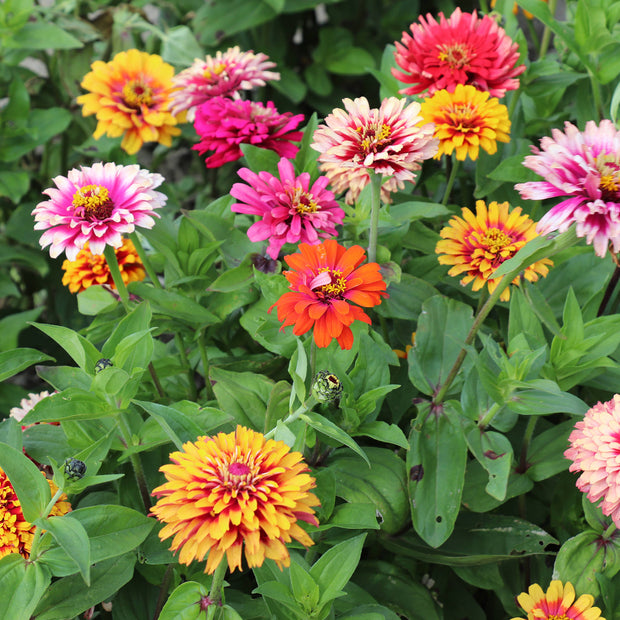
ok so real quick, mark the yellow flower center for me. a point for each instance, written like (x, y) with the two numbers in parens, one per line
(338, 284)
(496, 240)
(136, 94)
(303, 202)
(215, 71)
(93, 202)
(556, 617)
(456, 55)
(462, 115)
(373, 136)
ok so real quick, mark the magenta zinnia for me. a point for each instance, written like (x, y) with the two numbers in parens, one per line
(235, 492)
(388, 141)
(463, 49)
(584, 169)
(98, 205)
(223, 124)
(594, 450)
(225, 74)
(290, 210)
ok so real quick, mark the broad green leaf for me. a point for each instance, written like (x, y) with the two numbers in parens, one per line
(437, 455)
(179, 47)
(298, 369)
(134, 351)
(12, 325)
(545, 457)
(63, 377)
(83, 352)
(32, 488)
(183, 602)
(23, 585)
(540, 397)
(353, 516)
(139, 319)
(406, 298)
(277, 405)
(70, 404)
(260, 159)
(305, 588)
(16, 360)
(382, 431)
(40, 36)
(95, 300)
(73, 539)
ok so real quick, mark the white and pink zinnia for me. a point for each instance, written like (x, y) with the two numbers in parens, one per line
(290, 210)
(98, 205)
(584, 168)
(595, 450)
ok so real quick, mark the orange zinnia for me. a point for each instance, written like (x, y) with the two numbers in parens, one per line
(235, 489)
(324, 279)
(88, 268)
(477, 244)
(131, 96)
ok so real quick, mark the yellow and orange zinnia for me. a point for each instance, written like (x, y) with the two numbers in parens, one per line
(16, 533)
(131, 97)
(477, 244)
(323, 279)
(88, 268)
(234, 490)
(557, 603)
(466, 121)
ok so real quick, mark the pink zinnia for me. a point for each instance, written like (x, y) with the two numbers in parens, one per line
(97, 205)
(594, 450)
(223, 124)
(390, 140)
(584, 168)
(291, 211)
(224, 75)
(463, 49)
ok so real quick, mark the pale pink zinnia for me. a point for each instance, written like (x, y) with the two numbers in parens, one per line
(463, 49)
(389, 140)
(595, 450)
(290, 209)
(27, 404)
(98, 205)
(225, 74)
(223, 124)
(584, 168)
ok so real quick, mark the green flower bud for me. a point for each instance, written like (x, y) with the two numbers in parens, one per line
(326, 387)
(74, 469)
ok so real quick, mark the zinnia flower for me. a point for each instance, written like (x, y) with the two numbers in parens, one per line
(557, 603)
(97, 205)
(26, 404)
(16, 533)
(584, 169)
(232, 490)
(388, 140)
(223, 124)
(477, 244)
(465, 121)
(224, 75)
(463, 49)
(325, 281)
(88, 268)
(594, 452)
(290, 210)
(131, 96)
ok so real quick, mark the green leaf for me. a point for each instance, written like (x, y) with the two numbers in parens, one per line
(352, 516)
(11, 433)
(438, 452)
(540, 397)
(16, 360)
(23, 585)
(14, 184)
(382, 431)
(325, 426)
(41, 36)
(305, 588)
(180, 47)
(351, 61)
(72, 537)
(70, 404)
(183, 602)
(260, 159)
(67, 597)
(277, 405)
(95, 300)
(29, 483)
(298, 369)
(81, 350)
(545, 457)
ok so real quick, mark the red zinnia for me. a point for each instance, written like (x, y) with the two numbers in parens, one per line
(324, 278)
(463, 49)
(224, 124)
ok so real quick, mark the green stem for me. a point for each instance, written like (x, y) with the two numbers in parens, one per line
(546, 38)
(483, 6)
(204, 355)
(477, 324)
(596, 95)
(375, 206)
(307, 406)
(144, 257)
(451, 179)
(527, 440)
(489, 415)
(155, 378)
(216, 588)
(180, 342)
(110, 257)
(513, 103)
(610, 530)
(163, 591)
(135, 461)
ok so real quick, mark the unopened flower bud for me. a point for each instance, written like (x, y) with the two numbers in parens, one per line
(101, 364)
(74, 469)
(326, 387)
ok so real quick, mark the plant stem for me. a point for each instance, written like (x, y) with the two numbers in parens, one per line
(478, 321)
(180, 342)
(135, 461)
(609, 531)
(488, 417)
(546, 38)
(483, 6)
(451, 179)
(163, 591)
(205, 364)
(307, 406)
(527, 440)
(155, 378)
(145, 260)
(375, 206)
(110, 257)
(609, 291)
(216, 588)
